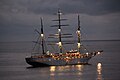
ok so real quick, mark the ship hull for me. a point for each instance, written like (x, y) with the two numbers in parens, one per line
(52, 62)
(33, 62)
(71, 59)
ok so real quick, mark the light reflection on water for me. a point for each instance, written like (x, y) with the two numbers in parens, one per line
(76, 70)
(66, 71)
(99, 71)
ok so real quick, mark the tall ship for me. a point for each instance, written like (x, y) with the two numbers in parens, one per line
(59, 58)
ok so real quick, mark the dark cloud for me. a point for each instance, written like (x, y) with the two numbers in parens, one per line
(19, 17)
(92, 7)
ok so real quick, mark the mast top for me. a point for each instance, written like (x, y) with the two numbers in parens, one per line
(41, 26)
(59, 12)
(78, 22)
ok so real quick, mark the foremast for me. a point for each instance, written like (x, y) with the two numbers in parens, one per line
(42, 37)
(79, 35)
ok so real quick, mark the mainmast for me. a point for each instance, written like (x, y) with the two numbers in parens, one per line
(78, 34)
(42, 37)
(59, 34)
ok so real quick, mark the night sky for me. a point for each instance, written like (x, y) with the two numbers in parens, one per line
(100, 19)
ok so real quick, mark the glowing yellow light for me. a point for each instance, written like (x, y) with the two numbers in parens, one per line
(78, 62)
(60, 44)
(78, 45)
(42, 35)
(98, 52)
(99, 65)
(99, 68)
(52, 69)
(79, 67)
(60, 13)
(87, 53)
(59, 30)
(67, 57)
(78, 31)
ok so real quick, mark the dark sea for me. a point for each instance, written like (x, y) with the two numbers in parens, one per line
(105, 66)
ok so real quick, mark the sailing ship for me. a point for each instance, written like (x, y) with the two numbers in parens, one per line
(71, 57)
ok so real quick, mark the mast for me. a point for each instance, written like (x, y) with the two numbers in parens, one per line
(59, 31)
(59, 34)
(78, 34)
(42, 37)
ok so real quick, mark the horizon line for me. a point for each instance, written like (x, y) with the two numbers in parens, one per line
(69, 40)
